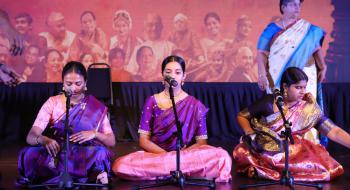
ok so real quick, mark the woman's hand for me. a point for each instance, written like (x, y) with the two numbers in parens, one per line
(51, 145)
(321, 75)
(83, 136)
(309, 98)
(263, 82)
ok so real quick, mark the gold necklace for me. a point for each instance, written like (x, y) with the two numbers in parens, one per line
(175, 96)
(165, 101)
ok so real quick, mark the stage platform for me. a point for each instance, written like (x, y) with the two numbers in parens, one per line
(8, 170)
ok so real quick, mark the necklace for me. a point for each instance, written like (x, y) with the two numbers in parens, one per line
(175, 96)
(164, 102)
(283, 26)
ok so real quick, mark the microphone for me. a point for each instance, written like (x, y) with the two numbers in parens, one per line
(278, 97)
(171, 81)
(68, 92)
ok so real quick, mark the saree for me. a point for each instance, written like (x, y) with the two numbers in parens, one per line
(292, 47)
(202, 161)
(85, 161)
(308, 159)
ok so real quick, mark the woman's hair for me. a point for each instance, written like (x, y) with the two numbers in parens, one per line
(82, 56)
(241, 20)
(285, 2)
(74, 67)
(174, 58)
(49, 51)
(140, 50)
(114, 52)
(122, 14)
(86, 13)
(291, 76)
(213, 15)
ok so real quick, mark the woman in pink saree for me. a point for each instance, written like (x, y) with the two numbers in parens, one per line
(157, 138)
(260, 153)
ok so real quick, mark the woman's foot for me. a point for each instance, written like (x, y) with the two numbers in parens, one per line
(251, 172)
(102, 178)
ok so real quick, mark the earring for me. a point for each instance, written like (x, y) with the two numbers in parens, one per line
(85, 88)
(63, 89)
(182, 83)
(285, 94)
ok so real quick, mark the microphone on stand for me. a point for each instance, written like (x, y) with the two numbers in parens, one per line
(171, 81)
(67, 92)
(278, 97)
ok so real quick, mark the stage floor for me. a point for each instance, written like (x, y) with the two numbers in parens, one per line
(8, 170)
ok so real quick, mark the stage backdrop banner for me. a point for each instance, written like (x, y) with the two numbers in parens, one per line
(217, 38)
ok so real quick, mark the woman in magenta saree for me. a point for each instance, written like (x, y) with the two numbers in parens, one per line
(91, 133)
(260, 154)
(158, 139)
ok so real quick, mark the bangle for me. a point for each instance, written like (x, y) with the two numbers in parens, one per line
(95, 135)
(37, 139)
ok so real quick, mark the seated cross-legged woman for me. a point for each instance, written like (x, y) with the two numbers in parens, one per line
(261, 154)
(158, 139)
(91, 134)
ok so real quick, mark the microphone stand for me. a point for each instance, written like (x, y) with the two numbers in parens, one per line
(177, 177)
(65, 179)
(286, 178)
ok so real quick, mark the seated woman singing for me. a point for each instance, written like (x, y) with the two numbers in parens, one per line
(158, 139)
(260, 154)
(91, 133)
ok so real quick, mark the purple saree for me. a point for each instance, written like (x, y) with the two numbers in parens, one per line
(85, 161)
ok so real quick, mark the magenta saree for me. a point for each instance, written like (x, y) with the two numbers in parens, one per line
(308, 159)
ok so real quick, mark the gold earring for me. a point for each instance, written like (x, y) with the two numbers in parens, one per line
(285, 94)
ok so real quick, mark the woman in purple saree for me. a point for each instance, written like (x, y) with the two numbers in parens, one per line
(91, 133)
(158, 139)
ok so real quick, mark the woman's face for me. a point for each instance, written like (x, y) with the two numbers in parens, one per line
(146, 59)
(54, 62)
(74, 82)
(87, 60)
(292, 9)
(31, 56)
(213, 26)
(244, 28)
(174, 70)
(121, 27)
(88, 23)
(118, 61)
(296, 92)
(180, 25)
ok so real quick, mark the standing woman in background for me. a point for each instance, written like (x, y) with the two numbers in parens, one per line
(291, 42)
